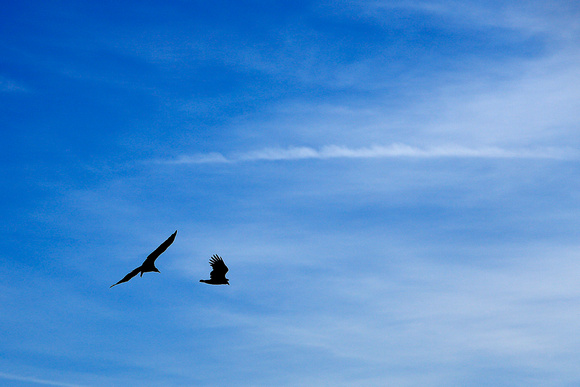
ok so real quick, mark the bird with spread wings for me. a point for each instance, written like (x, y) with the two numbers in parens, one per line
(218, 274)
(149, 263)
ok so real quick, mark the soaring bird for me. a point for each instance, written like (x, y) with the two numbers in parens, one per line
(149, 263)
(218, 274)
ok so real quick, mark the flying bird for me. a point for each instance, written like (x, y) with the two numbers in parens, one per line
(149, 263)
(218, 274)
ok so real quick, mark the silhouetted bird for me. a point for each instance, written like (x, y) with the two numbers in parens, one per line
(218, 274)
(149, 263)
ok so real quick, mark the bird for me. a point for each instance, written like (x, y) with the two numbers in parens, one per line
(149, 263)
(218, 274)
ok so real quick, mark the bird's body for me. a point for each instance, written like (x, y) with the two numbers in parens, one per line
(218, 274)
(149, 263)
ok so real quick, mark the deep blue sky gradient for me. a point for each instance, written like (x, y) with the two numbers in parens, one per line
(393, 184)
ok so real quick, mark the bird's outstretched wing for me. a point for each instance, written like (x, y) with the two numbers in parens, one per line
(158, 251)
(219, 267)
(128, 276)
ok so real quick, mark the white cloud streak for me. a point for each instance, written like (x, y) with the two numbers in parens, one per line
(28, 379)
(373, 152)
(556, 18)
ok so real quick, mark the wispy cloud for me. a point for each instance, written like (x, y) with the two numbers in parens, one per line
(535, 16)
(375, 151)
(33, 380)
(8, 86)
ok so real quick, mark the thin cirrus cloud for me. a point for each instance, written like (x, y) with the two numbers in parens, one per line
(10, 86)
(34, 381)
(372, 152)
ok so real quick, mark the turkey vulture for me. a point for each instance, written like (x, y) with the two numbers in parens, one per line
(149, 263)
(218, 274)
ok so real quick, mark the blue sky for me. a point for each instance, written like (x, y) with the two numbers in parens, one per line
(393, 185)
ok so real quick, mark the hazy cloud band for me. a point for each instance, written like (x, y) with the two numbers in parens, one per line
(33, 380)
(376, 151)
